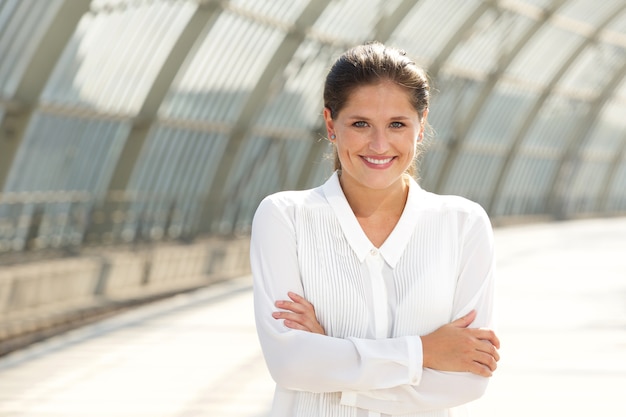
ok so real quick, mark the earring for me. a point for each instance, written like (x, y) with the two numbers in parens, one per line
(333, 137)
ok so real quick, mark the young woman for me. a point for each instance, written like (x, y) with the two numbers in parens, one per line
(372, 296)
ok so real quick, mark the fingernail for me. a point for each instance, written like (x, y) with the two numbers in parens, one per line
(276, 314)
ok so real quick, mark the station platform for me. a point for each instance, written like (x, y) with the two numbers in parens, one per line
(561, 320)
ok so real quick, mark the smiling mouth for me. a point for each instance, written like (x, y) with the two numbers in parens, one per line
(377, 161)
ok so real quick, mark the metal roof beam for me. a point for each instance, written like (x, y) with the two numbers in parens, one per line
(387, 24)
(205, 14)
(570, 158)
(215, 202)
(435, 67)
(532, 114)
(33, 81)
(618, 158)
(462, 129)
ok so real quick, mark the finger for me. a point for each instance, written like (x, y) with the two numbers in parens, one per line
(487, 361)
(489, 349)
(298, 321)
(495, 341)
(291, 306)
(295, 325)
(480, 369)
(487, 335)
(466, 320)
(299, 299)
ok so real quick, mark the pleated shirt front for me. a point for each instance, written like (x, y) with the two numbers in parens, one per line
(374, 303)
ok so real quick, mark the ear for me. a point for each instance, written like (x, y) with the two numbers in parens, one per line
(328, 120)
(420, 135)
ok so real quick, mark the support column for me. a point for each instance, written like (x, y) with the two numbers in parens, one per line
(570, 158)
(461, 130)
(204, 15)
(60, 29)
(215, 204)
(532, 114)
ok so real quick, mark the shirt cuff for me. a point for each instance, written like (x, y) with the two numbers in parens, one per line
(416, 359)
(348, 398)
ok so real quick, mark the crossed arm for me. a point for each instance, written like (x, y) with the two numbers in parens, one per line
(445, 368)
(454, 347)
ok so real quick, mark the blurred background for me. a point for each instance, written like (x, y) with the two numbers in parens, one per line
(137, 137)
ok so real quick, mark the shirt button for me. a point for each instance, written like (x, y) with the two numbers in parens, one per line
(373, 252)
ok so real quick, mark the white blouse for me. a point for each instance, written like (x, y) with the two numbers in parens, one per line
(374, 303)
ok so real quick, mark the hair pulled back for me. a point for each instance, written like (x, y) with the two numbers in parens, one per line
(370, 64)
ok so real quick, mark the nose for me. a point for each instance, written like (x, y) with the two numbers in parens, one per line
(378, 141)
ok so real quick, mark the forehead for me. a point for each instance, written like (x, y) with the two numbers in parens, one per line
(384, 95)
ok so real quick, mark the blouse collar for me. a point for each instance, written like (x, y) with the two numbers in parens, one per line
(393, 247)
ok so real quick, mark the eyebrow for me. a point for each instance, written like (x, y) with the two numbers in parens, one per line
(367, 118)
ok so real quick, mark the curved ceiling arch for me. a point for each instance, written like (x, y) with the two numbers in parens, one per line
(545, 94)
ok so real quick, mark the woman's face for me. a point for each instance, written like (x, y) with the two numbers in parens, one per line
(376, 135)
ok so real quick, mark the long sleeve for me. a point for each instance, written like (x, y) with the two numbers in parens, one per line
(304, 361)
(474, 290)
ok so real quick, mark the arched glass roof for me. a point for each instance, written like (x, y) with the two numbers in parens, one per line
(154, 119)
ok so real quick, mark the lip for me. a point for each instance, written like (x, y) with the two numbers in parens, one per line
(378, 162)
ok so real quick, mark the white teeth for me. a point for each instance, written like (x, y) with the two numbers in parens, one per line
(378, 161)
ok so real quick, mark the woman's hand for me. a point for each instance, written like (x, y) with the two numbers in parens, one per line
(300, 314)
(455, 347)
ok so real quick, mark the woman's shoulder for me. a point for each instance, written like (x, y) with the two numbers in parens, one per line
(293, 197)
(448, 203)
(287, 202)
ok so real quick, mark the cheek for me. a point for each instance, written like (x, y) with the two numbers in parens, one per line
(412, 145)
(347, 145)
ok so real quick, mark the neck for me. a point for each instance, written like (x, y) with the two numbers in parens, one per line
(366, 202)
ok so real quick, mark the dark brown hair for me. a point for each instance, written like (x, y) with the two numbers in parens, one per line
(370, 64)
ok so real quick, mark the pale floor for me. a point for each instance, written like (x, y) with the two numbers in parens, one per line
(562, 322)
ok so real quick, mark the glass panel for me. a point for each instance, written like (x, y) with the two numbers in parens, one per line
(589, 12)
(62, 167)
(287, 10)
(321, 165)
(527, 186)
(276, 167)
(618, 25)
(585, 186)
(502, 116)
(617, 196)
(431, 163)
(221, 75)
(542, 4)
(448, 110)
(351, 21)
(544, 54)
(59, 153)
(607, 135)
(22, 25)
(449, 105)
(473, 176)
(430, 25)
(169, 184)
(114, 57)
(298, 105)
(493, 37)
(555, 124)
(620, 91)
(593, 69)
